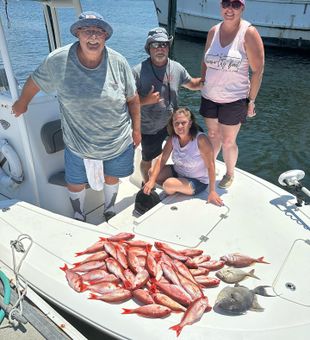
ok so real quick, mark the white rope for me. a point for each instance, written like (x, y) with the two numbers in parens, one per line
(21, 283)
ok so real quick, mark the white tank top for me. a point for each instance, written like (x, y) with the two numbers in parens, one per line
(227, 76)
(188, 161)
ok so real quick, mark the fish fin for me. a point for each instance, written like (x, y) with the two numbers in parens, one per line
(251, 273)
(127, 311)
(83, 288)
(177, 328)
(261, 260)
(256, 306)
(148, 248)
(77, 264)
(64, 268)
(128, 285)
(93, 297)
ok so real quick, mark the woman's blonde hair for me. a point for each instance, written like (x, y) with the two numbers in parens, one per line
(194, 129)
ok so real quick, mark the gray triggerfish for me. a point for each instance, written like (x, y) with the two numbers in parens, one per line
(239, 299)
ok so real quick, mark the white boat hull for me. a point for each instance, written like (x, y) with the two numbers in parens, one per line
(258, 219)
(281, 23)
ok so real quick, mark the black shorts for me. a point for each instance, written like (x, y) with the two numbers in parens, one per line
(152, 144)
(227, 114)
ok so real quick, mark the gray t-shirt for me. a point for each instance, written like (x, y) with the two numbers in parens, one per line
(167, 81)
(94, 113)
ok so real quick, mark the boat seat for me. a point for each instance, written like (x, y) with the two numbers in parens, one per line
(59, 179)
(51, 135)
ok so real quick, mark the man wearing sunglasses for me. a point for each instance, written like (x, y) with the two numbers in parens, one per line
(158, 80)
(233, 47)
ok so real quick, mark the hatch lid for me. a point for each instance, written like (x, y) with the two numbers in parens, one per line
(182, 220)
(291, 283)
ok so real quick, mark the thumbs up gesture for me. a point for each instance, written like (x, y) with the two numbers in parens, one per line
(152, 97)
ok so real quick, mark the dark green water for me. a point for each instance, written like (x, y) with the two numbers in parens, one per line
(277, 139)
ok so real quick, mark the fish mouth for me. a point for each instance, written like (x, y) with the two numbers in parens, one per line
(219, 310)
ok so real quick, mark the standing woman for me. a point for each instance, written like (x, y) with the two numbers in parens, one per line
(228, 96)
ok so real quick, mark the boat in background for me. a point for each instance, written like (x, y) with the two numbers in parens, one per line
(281, 23)
(258, 219)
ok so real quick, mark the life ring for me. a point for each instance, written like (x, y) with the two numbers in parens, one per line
(13, 176)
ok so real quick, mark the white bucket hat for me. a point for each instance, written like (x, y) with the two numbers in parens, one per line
(87, 19)
(157, 34)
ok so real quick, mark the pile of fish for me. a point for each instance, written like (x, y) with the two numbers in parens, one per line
(161, 279)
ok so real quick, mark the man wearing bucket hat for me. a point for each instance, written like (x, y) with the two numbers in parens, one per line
(158, 79)
(99, 108)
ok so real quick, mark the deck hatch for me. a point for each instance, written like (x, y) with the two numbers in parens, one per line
(291, 283)
(171, 220)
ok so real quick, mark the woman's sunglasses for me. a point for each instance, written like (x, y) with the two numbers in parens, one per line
(233, 4)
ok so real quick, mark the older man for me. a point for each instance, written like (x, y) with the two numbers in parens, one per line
(158, 80)
(99, 106)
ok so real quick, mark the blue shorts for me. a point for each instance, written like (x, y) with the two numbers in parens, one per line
(196, 185)
(120, 166)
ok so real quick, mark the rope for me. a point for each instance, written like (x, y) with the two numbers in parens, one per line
(21, 283)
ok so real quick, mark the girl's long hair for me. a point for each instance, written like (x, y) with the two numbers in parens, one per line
(194, 129)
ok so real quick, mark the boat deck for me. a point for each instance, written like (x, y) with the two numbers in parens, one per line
(258, 219)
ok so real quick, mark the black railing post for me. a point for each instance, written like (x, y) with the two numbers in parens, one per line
(171, 21)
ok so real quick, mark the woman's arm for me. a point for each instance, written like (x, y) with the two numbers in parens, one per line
(207, 45)
(207, 155)
(160, 162)
(255, 52)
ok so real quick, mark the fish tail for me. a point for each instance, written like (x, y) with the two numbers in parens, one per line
(177, 328)
(102, 238)
(79, 253)
(64, 268)
(261, 260)
(127, 311)
(251, 273)
(261, 290)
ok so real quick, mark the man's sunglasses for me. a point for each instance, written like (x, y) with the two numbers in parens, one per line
(159, 44)
(233, 4)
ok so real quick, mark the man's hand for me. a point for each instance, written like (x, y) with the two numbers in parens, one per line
(136, 136)
(151, 98)
(19, 107)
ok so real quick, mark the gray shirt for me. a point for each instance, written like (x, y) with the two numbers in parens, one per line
(166, 80)
(94, 113)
